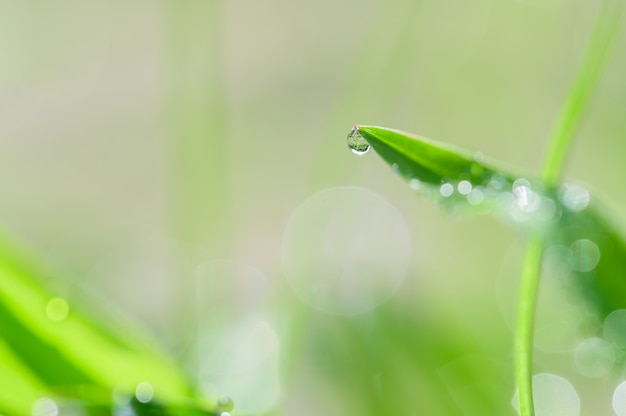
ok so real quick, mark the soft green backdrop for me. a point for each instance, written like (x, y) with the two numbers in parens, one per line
(141, 141)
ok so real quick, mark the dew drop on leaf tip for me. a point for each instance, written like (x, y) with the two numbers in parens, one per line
(357, 144)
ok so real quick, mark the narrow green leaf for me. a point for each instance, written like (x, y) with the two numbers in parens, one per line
(424, 159)
(64, 354)
(595, 249)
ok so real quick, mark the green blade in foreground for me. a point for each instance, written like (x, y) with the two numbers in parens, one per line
(592, 247)
(61, 354)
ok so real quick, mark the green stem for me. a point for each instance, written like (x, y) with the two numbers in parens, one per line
(594, 61)
(584, 83)
(526, 305)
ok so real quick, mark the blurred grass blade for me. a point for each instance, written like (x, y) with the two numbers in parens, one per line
(602, 41)
(62, 353)
(19, 388)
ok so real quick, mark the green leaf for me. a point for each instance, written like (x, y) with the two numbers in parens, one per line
(594, 248)
(66, 355)
(427, 160)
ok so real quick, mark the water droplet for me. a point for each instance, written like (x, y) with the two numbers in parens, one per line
(594, 357)
(574, 198)
(619, 399)
(415, 184)
(586, 255)
(224, 414)
(446, 190)
(475, 197)
(521, 182)
(225, 404)
(526, 200)
(395, 168)
(479, 157)
(57, 309)
(357, 143)
(44, 407)
(496, 183)
(615, 328)
(144, 392)
(464, 187)
(553, 396)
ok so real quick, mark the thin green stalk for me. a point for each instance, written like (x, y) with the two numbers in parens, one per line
(525, 325)
(604, 34)
(584, 83)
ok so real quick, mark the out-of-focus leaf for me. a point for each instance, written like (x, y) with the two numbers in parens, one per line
(592, 248)
(44, 353)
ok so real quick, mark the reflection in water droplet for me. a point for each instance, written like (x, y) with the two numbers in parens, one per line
(357, 143)
(224, 414)
(615, 328)
(497, 183)
(525, 199)
(594, 357)
(586, 255)
(144, 392)
(574, 198)
(619, 399)
(553, 396)
(395, 168)
(464, 187)
(446, 190)
(478, 157)
(415, 184)
(44, 407)
(225, 403)
(57, 309)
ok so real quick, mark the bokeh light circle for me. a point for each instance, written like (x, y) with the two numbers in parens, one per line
(553, 396)
(594, 357)
(619, 399)
(614, 328)
(345, 250)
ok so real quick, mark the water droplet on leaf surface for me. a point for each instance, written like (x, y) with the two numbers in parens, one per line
(144, 392)
(446, 190)
(225, 404)
(575, 198)
(57, 309)
(357, 143)
(464, 187)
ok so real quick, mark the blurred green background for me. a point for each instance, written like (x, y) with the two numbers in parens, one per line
(153, 153)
